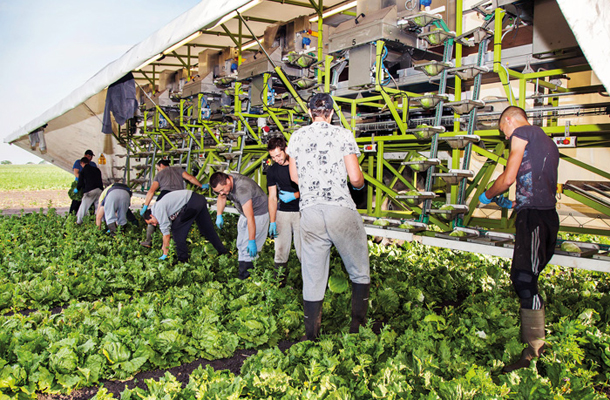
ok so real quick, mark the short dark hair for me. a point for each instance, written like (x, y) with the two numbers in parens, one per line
(163, 162)
(218, 178)
(512, 111)
(84, 160)
(320, 113)
(89, 153)
(276, 142)
(147, 214)
(321, 101)
(320, 105)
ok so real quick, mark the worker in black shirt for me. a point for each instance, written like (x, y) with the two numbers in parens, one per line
(90, 180)
(76, 169)
(283, 214)
(532, 164)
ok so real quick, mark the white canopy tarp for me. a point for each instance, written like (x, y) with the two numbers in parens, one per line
(589, 21)
(204, 14)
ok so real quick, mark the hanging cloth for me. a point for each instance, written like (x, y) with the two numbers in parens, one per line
(121, 100)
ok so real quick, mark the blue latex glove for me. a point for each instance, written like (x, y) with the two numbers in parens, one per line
(75, 190)
(76, 179)
(143, 210)
(272, 230)
(503, 202)
(425, 3)
(163, 257)
(360, 188)
(252, 248)
(483, 199)
(219, 221)
(205, 186)
(287, 197)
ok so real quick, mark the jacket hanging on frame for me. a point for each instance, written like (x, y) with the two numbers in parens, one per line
(121, 100)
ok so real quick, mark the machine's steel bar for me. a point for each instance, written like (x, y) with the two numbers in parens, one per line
(587, 201)
(437, 120)
(587, 167)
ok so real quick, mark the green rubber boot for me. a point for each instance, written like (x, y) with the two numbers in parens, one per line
(532, 333)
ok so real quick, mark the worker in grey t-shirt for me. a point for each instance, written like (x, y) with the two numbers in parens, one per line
(175, 214)
(167, 180)
(251, 202)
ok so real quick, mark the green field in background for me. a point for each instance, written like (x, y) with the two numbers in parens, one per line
(34, 177)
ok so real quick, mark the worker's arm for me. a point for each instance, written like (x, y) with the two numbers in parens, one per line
(248, 210)
(220, 204)
(151, 193)
(76, 172)
(99, 215)
(272, 202)
(165, 247)
(353, 171)
(81, 183)
(292, 167)
(508, 177)
(191, 179)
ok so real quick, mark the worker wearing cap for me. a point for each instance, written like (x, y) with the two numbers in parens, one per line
(322, 156)
(253, 223)
(175, 213)
(168, 179)
(284, 214)
(532, 163)
(76, 169)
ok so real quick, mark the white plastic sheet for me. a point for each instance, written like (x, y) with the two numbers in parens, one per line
(203, 15)
(588, 20)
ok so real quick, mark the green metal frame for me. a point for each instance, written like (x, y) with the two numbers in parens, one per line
(374, 165)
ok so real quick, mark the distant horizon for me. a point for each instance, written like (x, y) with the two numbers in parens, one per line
(41, 162)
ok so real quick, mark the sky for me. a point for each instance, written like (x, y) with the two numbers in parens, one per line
(50, 48)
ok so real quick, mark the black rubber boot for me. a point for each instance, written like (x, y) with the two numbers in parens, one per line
(244, 269)
(150, 229)
(112, 229)
(313, 319)
(360, 305)
(284, 277)
(532, 333)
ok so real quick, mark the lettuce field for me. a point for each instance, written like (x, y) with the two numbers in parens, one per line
(78, 307)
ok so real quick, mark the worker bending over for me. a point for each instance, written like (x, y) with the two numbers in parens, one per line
(251, 203)
(114, 207)
(175, 214)
(167, 180)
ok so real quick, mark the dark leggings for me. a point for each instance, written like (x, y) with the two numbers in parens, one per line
(196, 210)
(535, 240)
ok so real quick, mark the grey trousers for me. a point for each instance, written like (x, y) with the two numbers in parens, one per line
(89, 198)
(323, 226)
(116, 206)
(262, 227)
(288, 226)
